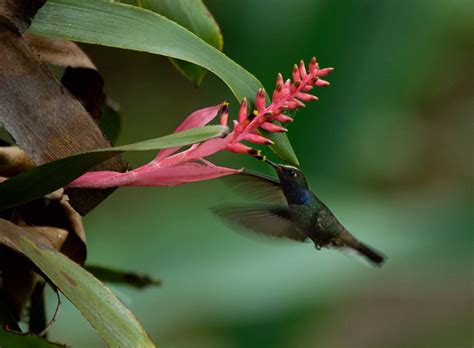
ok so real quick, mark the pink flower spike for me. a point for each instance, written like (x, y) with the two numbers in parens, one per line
(258, 139)
(260, 100)
(197, 119)
(273, 128)
(242, 115)
(170, 168)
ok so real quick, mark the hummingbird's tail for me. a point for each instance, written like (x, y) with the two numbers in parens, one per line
(370, 254)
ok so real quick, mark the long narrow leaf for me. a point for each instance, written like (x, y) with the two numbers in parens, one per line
(130, 27)
(194, 16)
(113, 321)
(48, 177)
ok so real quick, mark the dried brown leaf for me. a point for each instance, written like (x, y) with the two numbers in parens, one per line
(45, 120)
(59, 52)
(17, 14)
(13, 161)
(50, 235)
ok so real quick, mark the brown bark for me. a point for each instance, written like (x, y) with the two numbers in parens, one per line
(44, 119)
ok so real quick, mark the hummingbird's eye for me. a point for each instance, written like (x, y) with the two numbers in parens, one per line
(292, 173)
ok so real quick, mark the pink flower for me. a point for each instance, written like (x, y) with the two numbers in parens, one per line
(171, 168)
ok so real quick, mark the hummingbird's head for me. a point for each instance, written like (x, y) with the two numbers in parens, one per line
(289, 176)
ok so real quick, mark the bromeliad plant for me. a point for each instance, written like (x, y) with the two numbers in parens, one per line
(57, 132)
(170, 168)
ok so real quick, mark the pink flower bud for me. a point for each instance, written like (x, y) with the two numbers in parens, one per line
(276, 93)
(240, 148)
(273, 128)
(296, 73)
(242, 115)
(258, 139)
(279, 80)
(260, 100)
(325, 71)
(313, 66)
(283, 118)
(302, 69)
(294, 87)
(322, 83)
(306, 97)
(294, 104)
(237, 126)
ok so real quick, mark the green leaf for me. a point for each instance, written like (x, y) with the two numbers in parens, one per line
(112, 275)
(51, 176)
(110, 121)
(18, 340)
(98, 304)
(194, 16)
(130, 27)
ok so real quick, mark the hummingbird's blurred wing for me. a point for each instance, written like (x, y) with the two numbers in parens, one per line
(271, 220)
(259, 186)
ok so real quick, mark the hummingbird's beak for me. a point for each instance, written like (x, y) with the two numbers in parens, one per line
(273, 164)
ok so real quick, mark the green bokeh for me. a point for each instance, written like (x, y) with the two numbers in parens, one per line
(387, 147)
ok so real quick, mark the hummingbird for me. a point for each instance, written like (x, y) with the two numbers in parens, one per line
(295, 212)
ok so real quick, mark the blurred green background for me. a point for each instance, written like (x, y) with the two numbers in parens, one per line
(388, 147)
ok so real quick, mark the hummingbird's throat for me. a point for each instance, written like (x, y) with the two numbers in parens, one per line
(298, 195)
